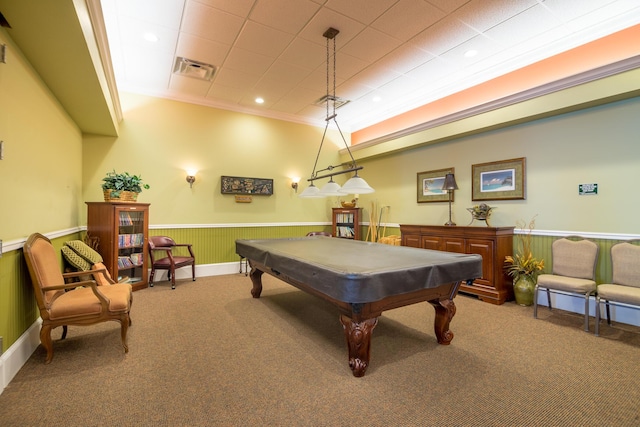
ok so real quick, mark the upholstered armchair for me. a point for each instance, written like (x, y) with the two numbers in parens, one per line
(171, 260)
(574, 270)
(77, 303)
(625, 287)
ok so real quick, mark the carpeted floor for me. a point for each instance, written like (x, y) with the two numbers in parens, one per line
(207, 354)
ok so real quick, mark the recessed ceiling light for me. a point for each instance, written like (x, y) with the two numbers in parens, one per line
(377, 99)
(259, 100)
(470, 53)
(150, 37)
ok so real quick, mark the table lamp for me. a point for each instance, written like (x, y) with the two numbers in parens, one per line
(450, 185)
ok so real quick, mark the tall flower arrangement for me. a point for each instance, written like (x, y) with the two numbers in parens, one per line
(523, 263)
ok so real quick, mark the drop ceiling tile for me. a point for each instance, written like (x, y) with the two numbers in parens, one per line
(189, 85)
(394, 21)
(148, 70)
(249, 62)
(405, 58)
(284, 72)
(364, 11)
(210, 23)
(219, 92)
(433, 71)
(484, 46)
(370, 45)
(236, 79)
(484, 14)
(327, 18)
(132, 31)
(167, 13)
(284, 15)
(444, 35)
(518, 28)
(399, 87)
(202, 50)
(567, 11)
(305, 54)
(237, 7)
(448, 5)
(264, 40)
(347, 66)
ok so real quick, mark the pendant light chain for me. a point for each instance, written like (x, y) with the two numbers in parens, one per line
(355, 184)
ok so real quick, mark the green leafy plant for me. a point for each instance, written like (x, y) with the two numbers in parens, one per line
(523, 263)
(117, 182)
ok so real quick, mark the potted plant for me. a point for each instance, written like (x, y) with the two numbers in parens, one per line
(122, 187)
(523, 266)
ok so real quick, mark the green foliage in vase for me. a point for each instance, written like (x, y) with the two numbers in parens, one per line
(117, 182)
(523, 263)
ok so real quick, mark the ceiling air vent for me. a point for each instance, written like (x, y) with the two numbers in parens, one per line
(339, 102)
(190, 68)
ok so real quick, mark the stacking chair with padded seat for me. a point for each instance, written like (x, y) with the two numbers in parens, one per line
(573, 272)
(77, 303)
(625, 287)
(170, 261)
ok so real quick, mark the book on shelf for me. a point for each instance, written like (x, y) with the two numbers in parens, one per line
(130, 240)
(127, 219)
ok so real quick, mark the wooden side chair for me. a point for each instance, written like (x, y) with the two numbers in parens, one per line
(77, 303)
(170, 261)
(574, 271)
(625, 287)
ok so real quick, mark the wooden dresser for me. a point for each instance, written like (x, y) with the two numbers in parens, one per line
(492, 243)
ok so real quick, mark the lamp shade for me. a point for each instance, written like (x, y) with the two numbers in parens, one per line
(311, 192)
(331, 188)
(356, 185)
(449, 182)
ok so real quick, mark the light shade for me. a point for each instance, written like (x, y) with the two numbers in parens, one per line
(356, 185)
(449, 182)
(311, 192)
(331, 188)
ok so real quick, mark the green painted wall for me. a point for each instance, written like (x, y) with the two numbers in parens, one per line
(595, 145)
(160, 139)
(41, 176)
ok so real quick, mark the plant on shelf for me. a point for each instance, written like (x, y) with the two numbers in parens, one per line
(523, 266)
(118, 185)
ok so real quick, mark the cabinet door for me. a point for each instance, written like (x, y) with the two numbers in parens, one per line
(452, 244)
(485, 248)
(411, 240)
(431, 242)
(131, 251)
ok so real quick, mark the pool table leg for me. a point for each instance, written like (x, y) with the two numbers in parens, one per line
(358, 336)
(256, 279)
(445, 310)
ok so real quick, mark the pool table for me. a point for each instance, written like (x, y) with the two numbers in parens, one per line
(362, 280)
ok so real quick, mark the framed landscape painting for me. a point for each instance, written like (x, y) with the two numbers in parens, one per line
(430, 186)
(502, 180)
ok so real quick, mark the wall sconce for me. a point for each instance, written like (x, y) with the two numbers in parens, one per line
(450, 185)
(191, 177)
(294, 183)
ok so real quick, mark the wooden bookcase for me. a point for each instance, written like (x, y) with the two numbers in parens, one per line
(492, 243)
(346, 223)
(122, 230)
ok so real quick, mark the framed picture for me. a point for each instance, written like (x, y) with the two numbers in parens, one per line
(241, 185)
(503, 180)
(430, 186)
